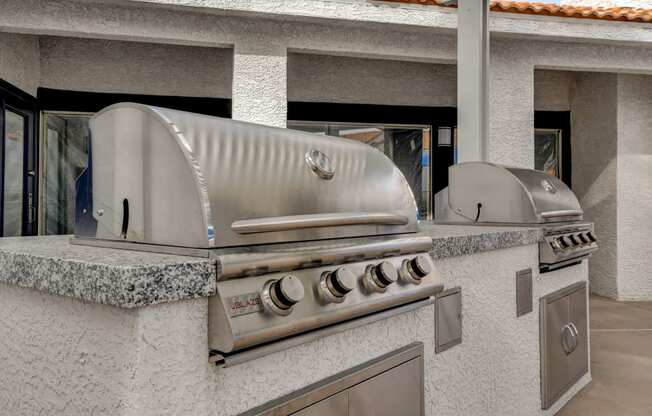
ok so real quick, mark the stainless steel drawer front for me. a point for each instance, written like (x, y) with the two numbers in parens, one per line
(392, 384)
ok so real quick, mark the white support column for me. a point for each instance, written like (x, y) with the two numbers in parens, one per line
(260, 83)
(510, 140)
(472, 80)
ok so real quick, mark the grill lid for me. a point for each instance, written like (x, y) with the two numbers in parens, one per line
(161, 176)
(508, 195)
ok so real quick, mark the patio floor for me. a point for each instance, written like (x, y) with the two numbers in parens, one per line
(621, 361)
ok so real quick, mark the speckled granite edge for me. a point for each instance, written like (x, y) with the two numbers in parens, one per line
(491, 240)
(122, 286)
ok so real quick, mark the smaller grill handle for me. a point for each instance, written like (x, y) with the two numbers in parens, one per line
(296, 222)
(562, 213)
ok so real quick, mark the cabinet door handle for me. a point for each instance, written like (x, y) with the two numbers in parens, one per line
(576, 333)
(569, 338)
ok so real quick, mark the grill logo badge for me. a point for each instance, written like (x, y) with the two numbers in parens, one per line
(549, 187)
(245, 304)
(320, 164)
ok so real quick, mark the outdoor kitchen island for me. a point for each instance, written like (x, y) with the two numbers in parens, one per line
(100, 331)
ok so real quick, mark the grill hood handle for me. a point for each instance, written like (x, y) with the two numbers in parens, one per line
(295, 222)
(562, 213)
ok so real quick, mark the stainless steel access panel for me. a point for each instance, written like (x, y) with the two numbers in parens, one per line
(390, 385)
(564, 341)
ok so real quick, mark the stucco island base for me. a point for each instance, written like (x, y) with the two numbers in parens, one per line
(64, 356)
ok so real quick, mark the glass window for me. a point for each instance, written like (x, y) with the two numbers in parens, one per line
(408, 146)
(14, 145)
(547, 151)
(65, 156)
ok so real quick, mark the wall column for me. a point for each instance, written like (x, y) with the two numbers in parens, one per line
(511, 105)
(260, 83)
(634, 187)
(472, 81)
(594, 133)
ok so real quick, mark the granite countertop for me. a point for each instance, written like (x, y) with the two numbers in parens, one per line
(460, 240)
(131, 279)
(124, 278)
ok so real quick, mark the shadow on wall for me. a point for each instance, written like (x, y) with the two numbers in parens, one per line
(594, 111)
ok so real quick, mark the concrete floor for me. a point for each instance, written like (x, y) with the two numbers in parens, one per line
(621, 361)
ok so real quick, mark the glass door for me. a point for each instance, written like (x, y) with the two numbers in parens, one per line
(17, 162)
(64, 155)
(547, 151)
(14, 173)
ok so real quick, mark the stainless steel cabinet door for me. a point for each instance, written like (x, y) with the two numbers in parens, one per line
(395, 392)
(337, 405)
(558, 371)
(578, 360)
(564, 341)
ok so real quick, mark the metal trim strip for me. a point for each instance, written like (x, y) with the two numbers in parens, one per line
(250, 264)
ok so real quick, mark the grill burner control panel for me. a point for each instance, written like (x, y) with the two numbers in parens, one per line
(249, 311)
(571, 241)
(564, 245)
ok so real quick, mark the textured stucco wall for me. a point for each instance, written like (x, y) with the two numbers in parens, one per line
(552, 90)
(634, 187)
(595, 165)
(511, 106)
(329, 78)
(260, 83)
(134, 67)
(370, 81)
(63, 356)
(416, 15)
(19, 61)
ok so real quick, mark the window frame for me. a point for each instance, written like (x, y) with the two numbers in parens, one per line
(560, 150)
(70, 102)
(20, 102)
(558, 120)
(42, 171)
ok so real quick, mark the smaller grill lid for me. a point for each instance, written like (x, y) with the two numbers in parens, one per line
(159, 176)
(508, 195)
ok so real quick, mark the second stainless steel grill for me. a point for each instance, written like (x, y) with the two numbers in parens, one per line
(310, 233)
(486, 193)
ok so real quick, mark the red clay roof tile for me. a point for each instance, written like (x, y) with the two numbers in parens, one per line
(628, 14)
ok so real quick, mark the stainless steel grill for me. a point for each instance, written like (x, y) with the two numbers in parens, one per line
(309, 231)
(486, 193)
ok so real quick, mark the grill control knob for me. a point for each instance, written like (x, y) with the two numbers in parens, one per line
(333, 286)
(415, 269)
(563, 241)
(280, 296)
(583, 238)
(591, 237)
(378, 277)
(574, 240)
